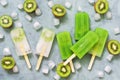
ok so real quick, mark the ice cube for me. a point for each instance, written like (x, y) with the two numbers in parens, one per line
(1, 36)
(3, 2)
(100, 74)
(91, 2)
(56, 22)
(14, 15)
(56, 77)
(108, 69)
(116, 30)
(51, 64)
(95, 1)
(45, 70)
(68, 5)
(28, 17)
(6, 51)
(38, 12)
(20, 6)
(19, 24)
(77, 65)
(97, 17)
(50, 4)
(15, 69)
(37, 25)
(108, 15)
(109, 57)
(79, 9)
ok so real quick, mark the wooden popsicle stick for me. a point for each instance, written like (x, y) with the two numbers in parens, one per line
(91, 62)
(39, 62)
(69, 59)
(27, 61)
(72, 66)
(40, 59)
(25, 56)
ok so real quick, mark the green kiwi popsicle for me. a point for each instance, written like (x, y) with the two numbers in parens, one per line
(82, 24)
(81, 47)
(97, 50)
(65, 42)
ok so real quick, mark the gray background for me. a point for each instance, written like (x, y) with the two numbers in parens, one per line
(67, 24)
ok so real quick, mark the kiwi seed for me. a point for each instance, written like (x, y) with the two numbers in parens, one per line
(6, 21)
(7, 63)
(113, 47)
(58, 10)
(63, 71)
(30, 6)
(101, 6)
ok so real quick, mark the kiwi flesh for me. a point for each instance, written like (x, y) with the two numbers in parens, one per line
(113, 47)
(7, 63)
(6, 21)
(101, 6)
(30, 6)
(58, 10)
(19, 34)
(63, 71)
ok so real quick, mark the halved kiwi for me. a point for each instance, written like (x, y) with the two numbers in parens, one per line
(7, 63)
(6, 21)
(113, 47)
(30, 6)
(63, 71)
(101, 6)
(58, 10)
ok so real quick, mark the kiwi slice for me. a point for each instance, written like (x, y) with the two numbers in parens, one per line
(63, 71)
(113, 47)
(7, 63)
(58, 10)
(101, 6)
(30, 6)
(6, 21)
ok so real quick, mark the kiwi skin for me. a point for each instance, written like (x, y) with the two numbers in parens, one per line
(106, 5)
(32, 10)
(8, 25)
(58, 15)
(66, 68)
(7, 66)
(115, 43)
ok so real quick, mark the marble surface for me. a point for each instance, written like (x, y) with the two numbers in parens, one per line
(67, 24)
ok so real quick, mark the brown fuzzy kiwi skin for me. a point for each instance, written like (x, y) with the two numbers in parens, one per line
(95, 8)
